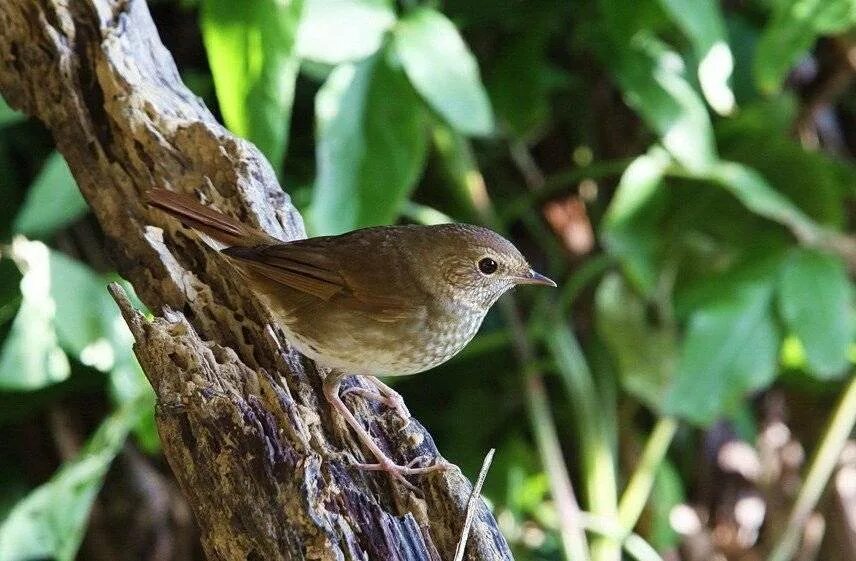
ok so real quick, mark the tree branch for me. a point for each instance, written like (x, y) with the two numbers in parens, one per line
(253, 445)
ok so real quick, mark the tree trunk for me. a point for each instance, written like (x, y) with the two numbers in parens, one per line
(264, 465)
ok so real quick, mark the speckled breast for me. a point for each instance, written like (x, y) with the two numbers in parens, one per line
(376, 348)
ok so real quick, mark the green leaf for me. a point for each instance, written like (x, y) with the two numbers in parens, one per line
(52, 201)
(815, 300)
(86, 317)
(794, 27)
(337, 31)
(757, 195)
(31, 357)
(646, 355)
(65, 306)
(702, 23)
(372, 141)
(730, 349)
(630, 231)
(652, 79)
(9, 115)
(813, 180)
(51, 520)
(443, 70)
(250, 48)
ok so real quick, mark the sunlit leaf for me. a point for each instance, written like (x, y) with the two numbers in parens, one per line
(85, 314)
(443, 70)
(702, 23)
(792, 30)
(250, 48)
(731, 348)
(372, 140)
(815, 300)
(629, 229)
(652, 78)
(646, 355)
(51, 520)
(31, 357)
(52, 201)
(337, 31)
(9, 115)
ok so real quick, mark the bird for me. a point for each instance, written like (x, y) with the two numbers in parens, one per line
(385, 300)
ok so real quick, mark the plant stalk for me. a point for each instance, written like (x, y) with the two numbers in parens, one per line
(841, 425)
(642, 481)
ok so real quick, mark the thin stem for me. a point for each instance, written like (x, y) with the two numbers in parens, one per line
(472, 504)
(641, 482)
(547, 438)
(840, 427)
(597, 455)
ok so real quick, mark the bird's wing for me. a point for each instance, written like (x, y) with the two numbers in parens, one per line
(314, 266)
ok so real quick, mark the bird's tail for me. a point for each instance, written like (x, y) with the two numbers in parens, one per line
(215, 224)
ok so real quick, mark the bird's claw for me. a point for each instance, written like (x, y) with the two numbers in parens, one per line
(393, 401)
(399, 472)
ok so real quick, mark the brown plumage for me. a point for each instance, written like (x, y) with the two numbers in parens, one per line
(389, 300)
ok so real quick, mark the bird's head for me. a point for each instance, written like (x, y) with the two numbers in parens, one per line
(474, 266)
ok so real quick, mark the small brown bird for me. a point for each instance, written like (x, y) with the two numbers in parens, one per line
(390, 300)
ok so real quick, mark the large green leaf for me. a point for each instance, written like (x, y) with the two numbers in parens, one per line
(250, 48)
(730, 348)
(815, 299)
(31, 357)
(702, 23)
(793, 29)
(372, 140)
(337, 31)
(646, 355)
(443, 70)
(9, 115)
(630, 229)
(51, 520)
(52, 201)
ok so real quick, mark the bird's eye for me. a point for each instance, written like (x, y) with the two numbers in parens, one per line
(488, 266)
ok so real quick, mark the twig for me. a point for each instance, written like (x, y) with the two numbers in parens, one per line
(473, 504)
(834, 438)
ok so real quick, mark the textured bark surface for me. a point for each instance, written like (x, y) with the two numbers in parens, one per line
(263, 464)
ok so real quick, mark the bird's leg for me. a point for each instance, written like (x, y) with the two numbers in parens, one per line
(384, 462)
(385, 395)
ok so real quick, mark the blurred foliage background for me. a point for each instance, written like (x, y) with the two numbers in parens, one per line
(684, 168)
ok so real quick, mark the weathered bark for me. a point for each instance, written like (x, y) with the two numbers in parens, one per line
(265, 467)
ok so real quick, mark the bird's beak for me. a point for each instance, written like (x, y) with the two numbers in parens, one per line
(534, 278)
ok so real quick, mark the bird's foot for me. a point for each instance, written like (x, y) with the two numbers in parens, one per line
(391, 400)
(399, 472)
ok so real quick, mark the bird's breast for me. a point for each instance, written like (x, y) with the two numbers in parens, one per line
(365, 346)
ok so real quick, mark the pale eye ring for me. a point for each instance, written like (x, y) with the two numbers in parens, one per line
(488, 266)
